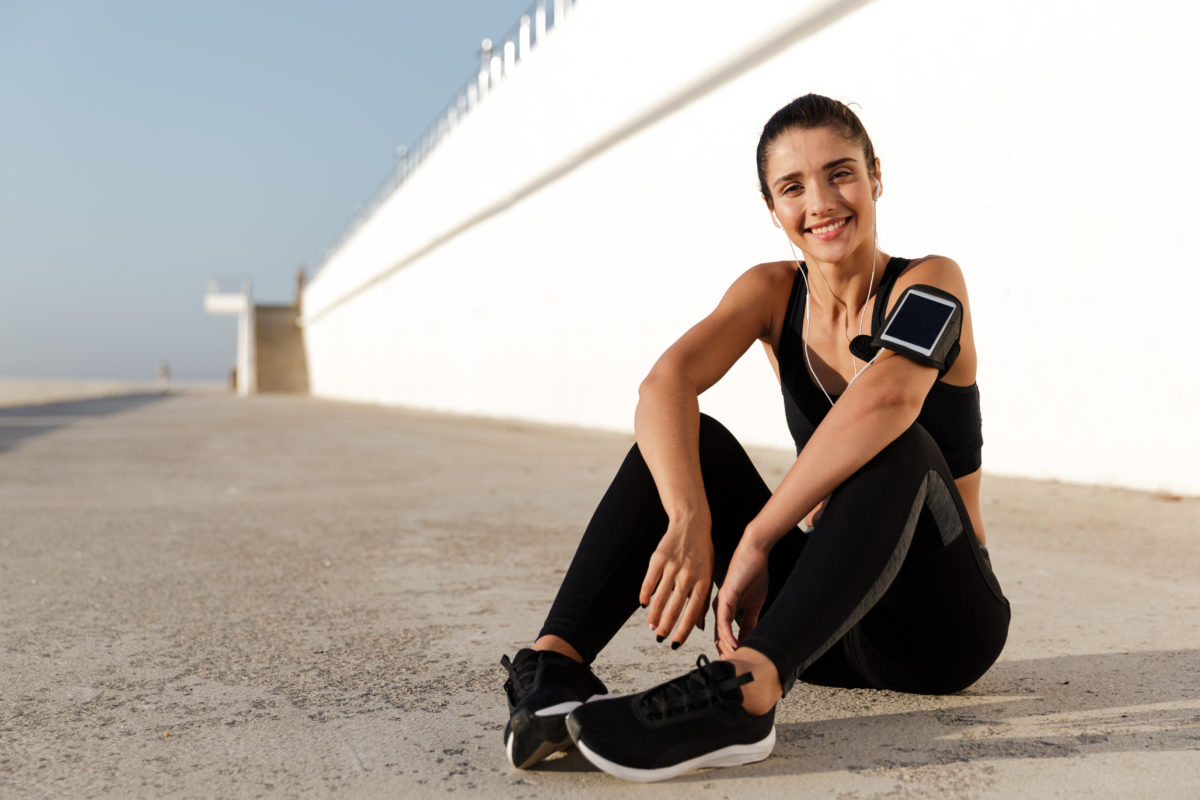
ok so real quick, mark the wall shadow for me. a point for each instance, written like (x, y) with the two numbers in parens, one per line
(1057, 707)
(21, 423)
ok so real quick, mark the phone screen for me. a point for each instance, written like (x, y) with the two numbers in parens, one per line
(919, 321)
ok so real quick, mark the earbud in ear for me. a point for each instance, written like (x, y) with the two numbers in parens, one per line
(875, 195)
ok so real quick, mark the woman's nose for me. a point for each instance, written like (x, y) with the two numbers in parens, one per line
(821, 200)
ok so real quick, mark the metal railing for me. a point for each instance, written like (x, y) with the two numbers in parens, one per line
(495, 64)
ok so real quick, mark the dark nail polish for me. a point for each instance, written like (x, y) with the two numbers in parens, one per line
(643, 605)
(660, 638)
(675, 645)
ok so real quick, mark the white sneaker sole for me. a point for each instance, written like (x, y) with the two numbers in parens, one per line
(544, 749)
(731, 756)
(547, 747)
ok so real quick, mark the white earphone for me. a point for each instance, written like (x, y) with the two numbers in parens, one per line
(808, 315)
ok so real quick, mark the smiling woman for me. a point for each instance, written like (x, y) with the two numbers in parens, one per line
(866, 567)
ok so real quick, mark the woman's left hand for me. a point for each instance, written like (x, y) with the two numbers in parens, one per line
(745, 590)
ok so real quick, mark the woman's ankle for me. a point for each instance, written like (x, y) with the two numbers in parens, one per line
(559, 645)
(761, 694)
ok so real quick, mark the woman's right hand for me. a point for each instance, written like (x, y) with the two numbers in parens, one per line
(679, 578)
(745, 590)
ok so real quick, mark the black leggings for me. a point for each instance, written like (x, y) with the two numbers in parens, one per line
(891, 590)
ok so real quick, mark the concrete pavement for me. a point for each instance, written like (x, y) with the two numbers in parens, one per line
(282, 597)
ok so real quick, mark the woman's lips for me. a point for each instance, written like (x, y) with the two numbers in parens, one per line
(829, 230)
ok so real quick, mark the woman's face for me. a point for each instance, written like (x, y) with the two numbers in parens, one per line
(821, 192)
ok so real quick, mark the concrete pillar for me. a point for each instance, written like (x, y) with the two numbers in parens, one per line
(234, 297)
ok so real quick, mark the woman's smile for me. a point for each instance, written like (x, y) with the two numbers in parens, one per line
(829, 230)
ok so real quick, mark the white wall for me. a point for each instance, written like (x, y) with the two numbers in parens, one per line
(601, 199)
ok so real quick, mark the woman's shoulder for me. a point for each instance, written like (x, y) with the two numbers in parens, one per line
(766, 279)
(776, 268)
(933, 270)
(761, 294)
(770, 274)
(932, 263)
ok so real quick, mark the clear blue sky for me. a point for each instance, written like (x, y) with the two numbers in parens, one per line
(148, 146)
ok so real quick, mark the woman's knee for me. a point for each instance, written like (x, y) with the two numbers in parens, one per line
(915, 445)
(715, 440)
(913, 453)
(713, 432)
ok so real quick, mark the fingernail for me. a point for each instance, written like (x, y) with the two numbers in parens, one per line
(660, 638)
(644, 605)
(651, 626)
(675, 645)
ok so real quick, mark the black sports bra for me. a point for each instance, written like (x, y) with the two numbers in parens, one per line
(950, 413)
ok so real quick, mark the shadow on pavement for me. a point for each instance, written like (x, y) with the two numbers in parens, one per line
(1058, 707)
(20, 423)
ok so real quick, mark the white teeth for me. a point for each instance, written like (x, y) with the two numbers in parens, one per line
(833, 226)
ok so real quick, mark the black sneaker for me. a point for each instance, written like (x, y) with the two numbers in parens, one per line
(693, 721)
(542, 688)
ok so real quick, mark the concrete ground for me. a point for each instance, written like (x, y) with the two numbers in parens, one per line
(28, 391)
(283, 597)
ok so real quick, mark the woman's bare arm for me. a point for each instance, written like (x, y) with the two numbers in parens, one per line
(667, 425)
(875, 409)
(882, 403)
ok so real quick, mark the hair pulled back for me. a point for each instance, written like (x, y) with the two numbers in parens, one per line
(806, 113)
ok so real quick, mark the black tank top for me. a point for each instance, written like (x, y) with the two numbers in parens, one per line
(950, 413)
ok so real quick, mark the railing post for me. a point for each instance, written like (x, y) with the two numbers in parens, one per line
(560, 11)
(523, 38)
(510, 57)
(497, 70)
(539, 21)
(485, 65)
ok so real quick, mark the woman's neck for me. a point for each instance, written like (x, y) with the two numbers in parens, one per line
(847, 285)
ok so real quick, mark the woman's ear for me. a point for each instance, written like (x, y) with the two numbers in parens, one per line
(771, 210)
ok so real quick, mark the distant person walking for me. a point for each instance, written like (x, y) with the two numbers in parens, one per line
(164, 377)
(865, 568)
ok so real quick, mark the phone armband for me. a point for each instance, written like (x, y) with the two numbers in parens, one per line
(924, 326)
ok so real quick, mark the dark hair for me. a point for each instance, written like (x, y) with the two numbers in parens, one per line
(809, 112)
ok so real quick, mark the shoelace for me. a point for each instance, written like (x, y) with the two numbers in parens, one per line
(695, 690)
(523, 676)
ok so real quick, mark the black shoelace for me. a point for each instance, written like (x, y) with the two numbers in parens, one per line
(691, 692)
(522, 675)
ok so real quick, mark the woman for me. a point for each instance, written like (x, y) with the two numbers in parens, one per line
(887, 585)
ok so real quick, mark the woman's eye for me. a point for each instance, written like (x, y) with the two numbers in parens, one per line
(792, 188)
(841, 173)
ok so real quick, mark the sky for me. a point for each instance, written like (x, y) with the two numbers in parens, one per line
(147, 147)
